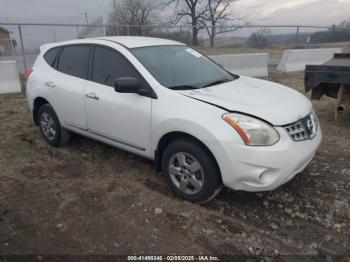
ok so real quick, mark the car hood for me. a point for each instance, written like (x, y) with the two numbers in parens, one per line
(275, 103)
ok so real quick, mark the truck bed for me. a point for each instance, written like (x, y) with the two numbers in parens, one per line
(326, 79)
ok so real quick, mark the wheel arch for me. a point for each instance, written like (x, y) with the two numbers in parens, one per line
(38, 102)
(167, 138)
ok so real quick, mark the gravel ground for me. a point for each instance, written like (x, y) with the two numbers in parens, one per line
(89, 198)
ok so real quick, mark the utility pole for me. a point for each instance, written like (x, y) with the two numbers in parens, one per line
(115, 6)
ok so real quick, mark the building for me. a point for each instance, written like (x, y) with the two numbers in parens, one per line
(5, 42)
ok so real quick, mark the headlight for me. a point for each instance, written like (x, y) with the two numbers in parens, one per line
(254, 132)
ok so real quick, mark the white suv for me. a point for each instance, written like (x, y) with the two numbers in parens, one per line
(203, 126)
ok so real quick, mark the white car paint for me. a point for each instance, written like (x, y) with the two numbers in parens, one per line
(270, 101)
(136, 123)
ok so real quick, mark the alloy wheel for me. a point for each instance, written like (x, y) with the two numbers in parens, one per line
(186, 173)
(48, 126)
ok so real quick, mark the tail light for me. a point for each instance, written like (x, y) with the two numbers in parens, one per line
(27, 74)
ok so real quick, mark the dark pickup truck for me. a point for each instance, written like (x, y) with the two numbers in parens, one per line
(331, 79)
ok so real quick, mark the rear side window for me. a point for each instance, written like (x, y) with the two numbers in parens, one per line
(74, 61)
(109, 64)
(51, 55)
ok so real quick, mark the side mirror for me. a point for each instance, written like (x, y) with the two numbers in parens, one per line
(127, 85)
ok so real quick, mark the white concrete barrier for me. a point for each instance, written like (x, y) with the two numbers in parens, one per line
(9, 79)
(296, 59)
(244, 64)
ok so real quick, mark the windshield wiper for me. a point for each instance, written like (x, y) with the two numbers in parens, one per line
(217, 82)
(183, 87)
(188, 87)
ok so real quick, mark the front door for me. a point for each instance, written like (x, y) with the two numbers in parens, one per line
(122, 118)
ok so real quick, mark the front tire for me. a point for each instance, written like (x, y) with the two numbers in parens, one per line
(191, 171)
(51, 128)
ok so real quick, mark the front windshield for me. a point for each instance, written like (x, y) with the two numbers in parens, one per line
(180, 66)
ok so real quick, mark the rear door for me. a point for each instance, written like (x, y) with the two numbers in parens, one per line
(67, 85)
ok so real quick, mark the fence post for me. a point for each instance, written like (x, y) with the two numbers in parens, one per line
(297, 36)
(22, 47)
(127, 30)
(54, 34)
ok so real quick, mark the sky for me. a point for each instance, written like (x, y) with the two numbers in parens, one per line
(256, 12)
(311, 12)
(292, 12)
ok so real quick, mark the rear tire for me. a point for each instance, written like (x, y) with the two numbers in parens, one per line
(51, 128)
(191, 171)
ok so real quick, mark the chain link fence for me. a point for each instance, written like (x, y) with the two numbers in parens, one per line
(22, 41)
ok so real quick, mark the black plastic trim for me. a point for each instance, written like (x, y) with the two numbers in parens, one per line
(106, 137)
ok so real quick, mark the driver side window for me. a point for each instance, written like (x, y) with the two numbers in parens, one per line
(109, 64)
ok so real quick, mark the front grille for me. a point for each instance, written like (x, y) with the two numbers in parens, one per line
(303, 129)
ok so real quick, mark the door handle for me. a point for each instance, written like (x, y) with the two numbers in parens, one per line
(92, 96)
(50, 84)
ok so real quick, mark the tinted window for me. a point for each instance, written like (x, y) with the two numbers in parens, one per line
(74, 60)
(51, 55)
(109, 64)
(180, 66)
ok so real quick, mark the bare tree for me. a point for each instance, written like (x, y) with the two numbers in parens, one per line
(216, 11)
(260, 39)
(133, 17)
(193, 10)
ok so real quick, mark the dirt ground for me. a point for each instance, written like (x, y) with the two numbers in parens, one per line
(90, 198)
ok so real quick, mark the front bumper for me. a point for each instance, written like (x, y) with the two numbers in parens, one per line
(263, 168)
